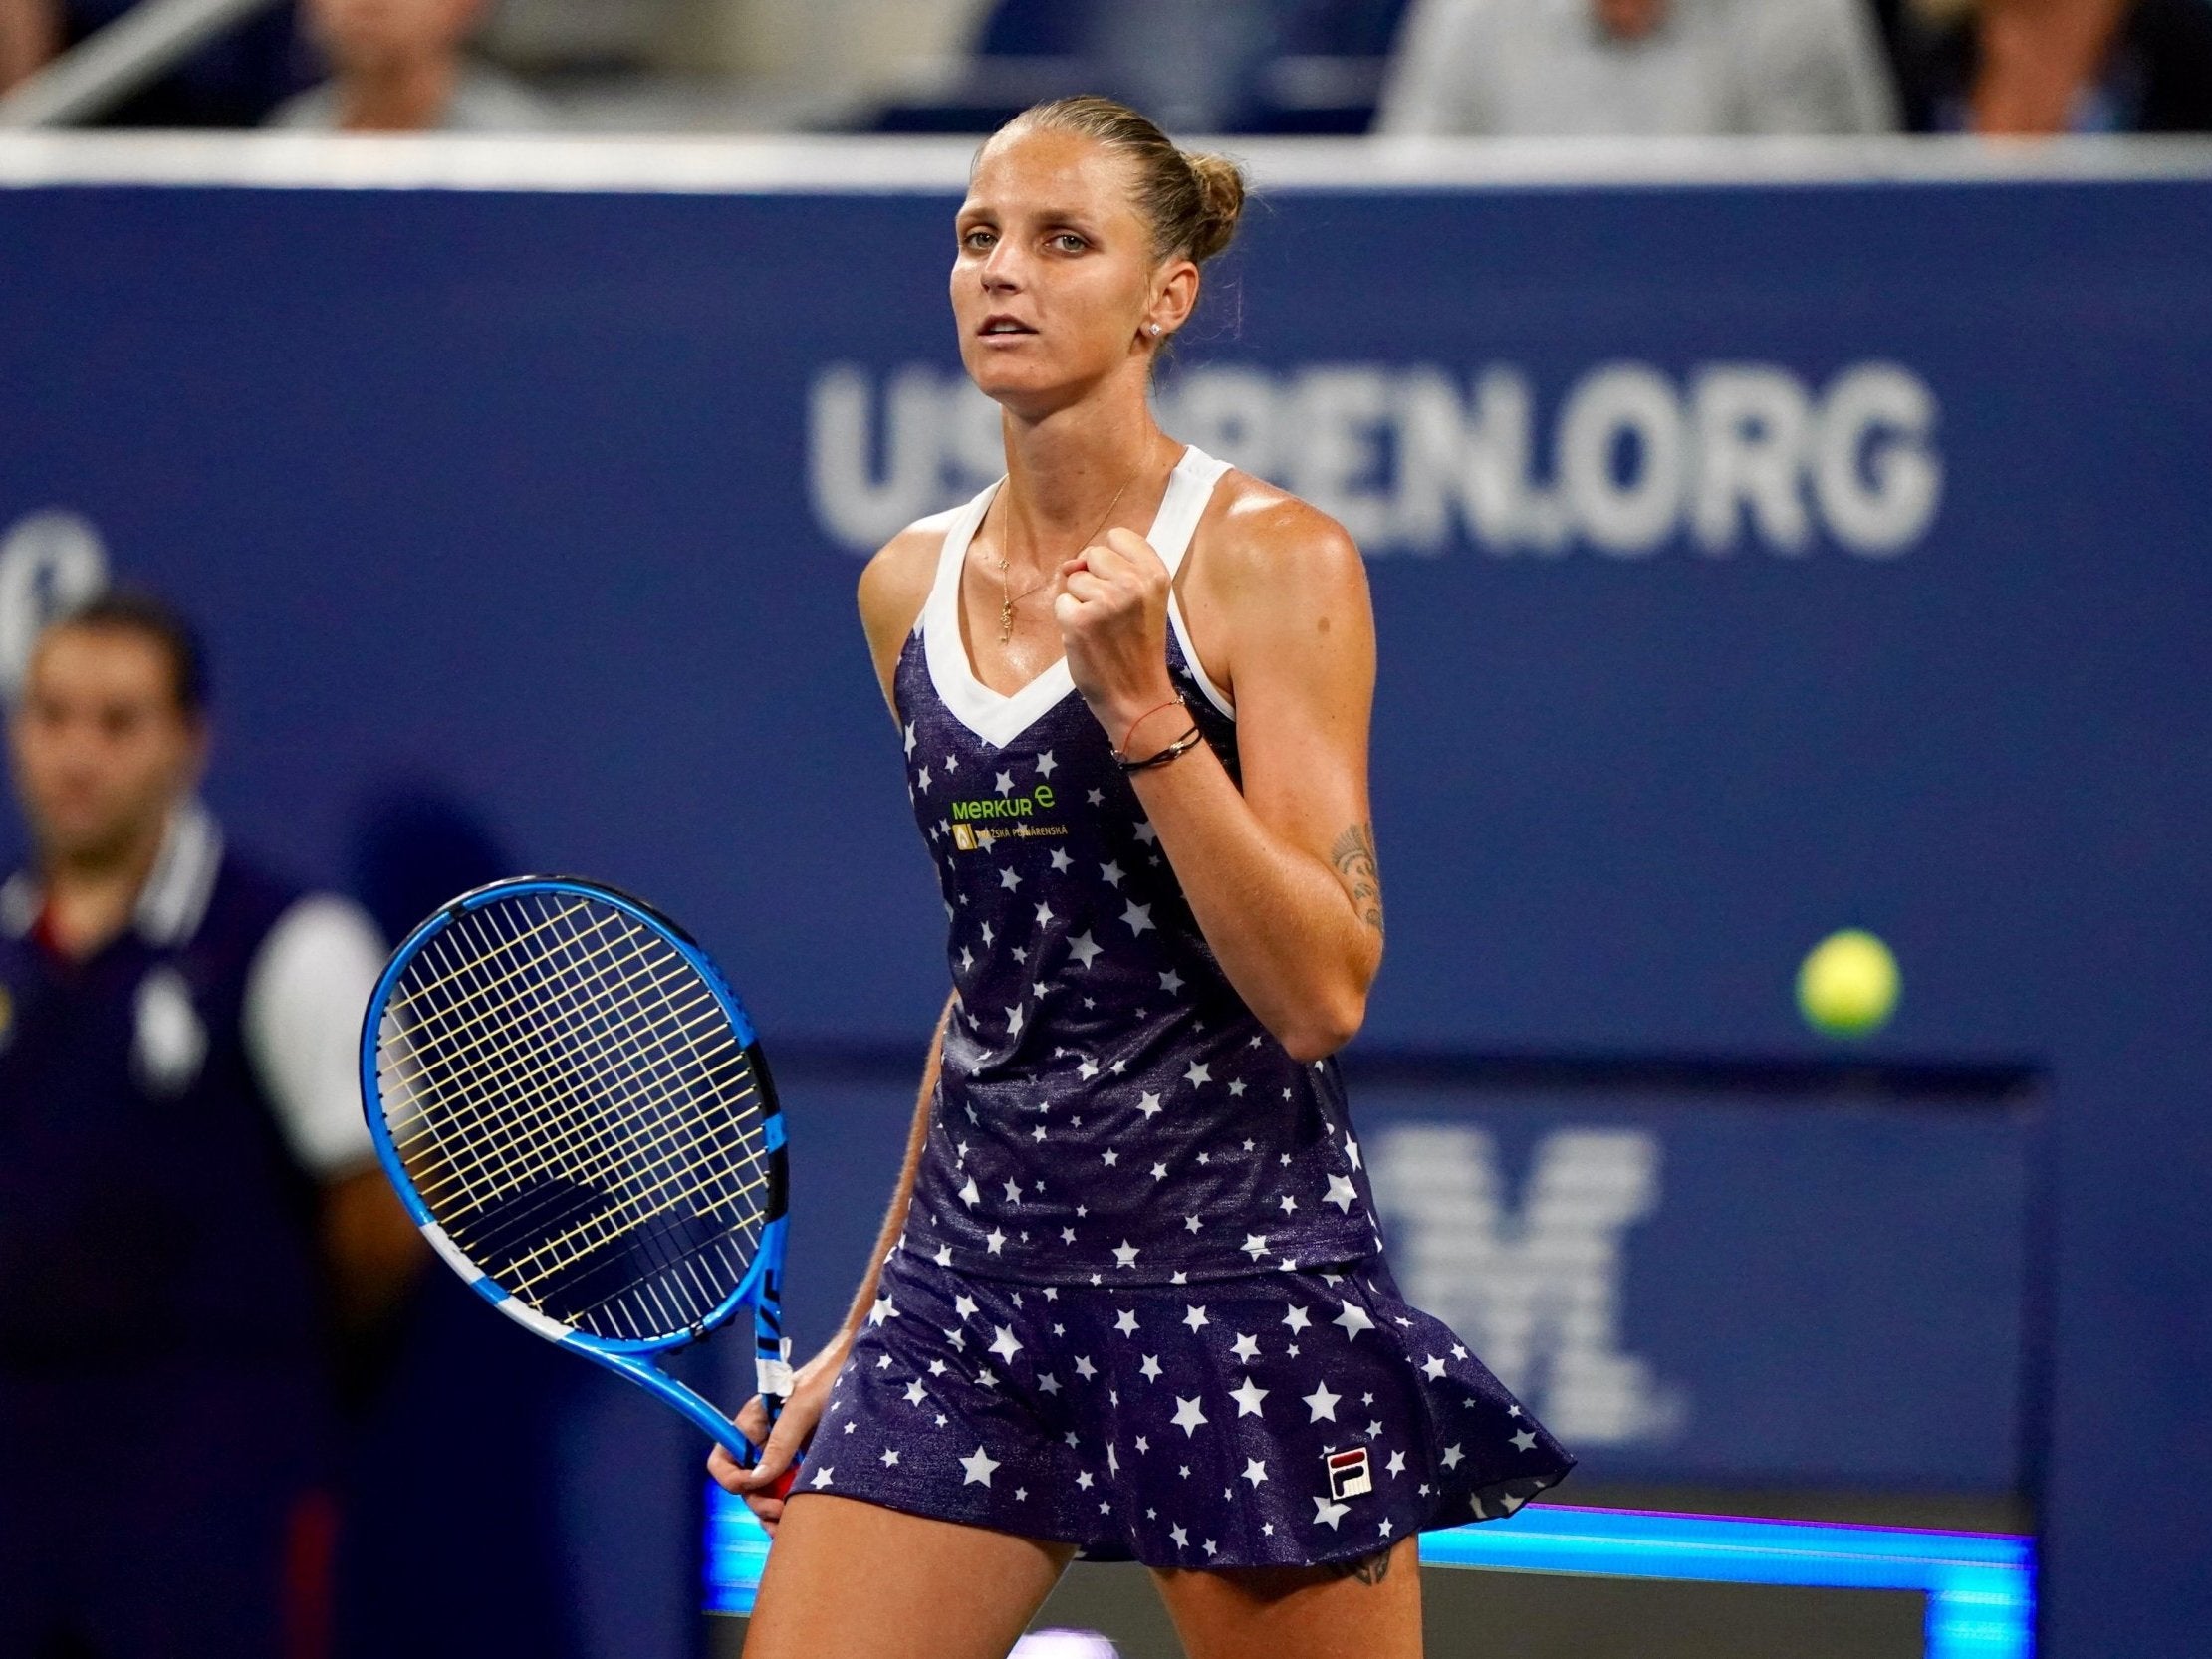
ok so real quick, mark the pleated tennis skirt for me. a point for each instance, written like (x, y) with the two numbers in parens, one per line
(1273, 1419)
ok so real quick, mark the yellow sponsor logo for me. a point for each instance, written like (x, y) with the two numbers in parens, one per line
(977, 823)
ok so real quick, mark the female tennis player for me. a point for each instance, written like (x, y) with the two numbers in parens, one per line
(1129, 1301)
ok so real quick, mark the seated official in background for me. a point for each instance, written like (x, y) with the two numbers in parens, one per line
(1637, 67)
(403, 66)
(187, 1193)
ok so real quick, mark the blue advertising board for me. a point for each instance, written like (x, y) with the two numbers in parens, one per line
(1752, 557)
(1730, 1290)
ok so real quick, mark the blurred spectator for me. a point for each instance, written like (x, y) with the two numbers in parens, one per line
(1637, 67)
(1199, 66)
(188, 1202)
(233, 80)
(403, 66)
(1242, 65)
(2026, 68)
(1189, 62)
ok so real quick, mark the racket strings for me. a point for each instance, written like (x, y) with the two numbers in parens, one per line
(563, 1086)
(491, 1054)
(524, 1072)
(463, 1010)
(640, 1065)
(741, 1180)
(588, 1235)
(474, 1073)
(699, 1012)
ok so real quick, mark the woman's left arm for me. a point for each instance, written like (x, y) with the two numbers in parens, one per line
(1281, 876)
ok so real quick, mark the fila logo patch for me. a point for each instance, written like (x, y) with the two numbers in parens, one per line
(1348, 1474)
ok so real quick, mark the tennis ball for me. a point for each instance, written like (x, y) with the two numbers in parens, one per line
(1847, 986)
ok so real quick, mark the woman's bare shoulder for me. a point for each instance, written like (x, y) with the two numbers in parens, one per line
(896, 583)
(1253, 530)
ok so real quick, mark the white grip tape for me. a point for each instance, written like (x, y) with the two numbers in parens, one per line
(450, 1252)
(552, 1331)
(774, 1377)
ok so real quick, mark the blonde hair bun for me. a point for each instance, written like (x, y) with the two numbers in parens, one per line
(1221, 191)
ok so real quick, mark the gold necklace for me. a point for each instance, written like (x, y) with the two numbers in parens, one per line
(1008, 600)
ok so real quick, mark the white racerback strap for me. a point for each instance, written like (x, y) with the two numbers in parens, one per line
(1189, 489)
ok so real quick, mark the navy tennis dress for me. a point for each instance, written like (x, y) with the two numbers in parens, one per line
(1139, 1304)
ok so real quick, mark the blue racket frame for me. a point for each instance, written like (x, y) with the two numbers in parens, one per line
(762, 1285)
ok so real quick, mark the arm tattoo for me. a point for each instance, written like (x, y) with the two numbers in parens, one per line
(1368, 1569)
(1353, 856)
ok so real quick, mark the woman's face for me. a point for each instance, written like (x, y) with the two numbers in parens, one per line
(1055, 282)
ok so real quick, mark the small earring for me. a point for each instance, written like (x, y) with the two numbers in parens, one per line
(1156, 330)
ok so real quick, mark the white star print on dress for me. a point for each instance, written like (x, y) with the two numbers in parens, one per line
(1111, 1120)
(1133, 995)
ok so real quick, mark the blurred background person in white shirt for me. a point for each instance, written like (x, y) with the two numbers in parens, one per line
(1637, 67)
(404, 66)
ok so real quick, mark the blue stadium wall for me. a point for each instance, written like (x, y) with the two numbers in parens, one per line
(1751, 555)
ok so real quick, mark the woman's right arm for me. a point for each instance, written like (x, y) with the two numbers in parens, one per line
(810, 1392)
(894, 1218)
(892, 588)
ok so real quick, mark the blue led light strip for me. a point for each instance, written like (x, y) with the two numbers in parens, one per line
(1980, 1586)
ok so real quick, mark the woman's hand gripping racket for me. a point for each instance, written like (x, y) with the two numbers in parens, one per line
(573, 1106)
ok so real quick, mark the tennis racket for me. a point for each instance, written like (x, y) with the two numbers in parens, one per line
(575, 1109)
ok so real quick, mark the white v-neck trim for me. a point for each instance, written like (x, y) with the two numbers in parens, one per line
(1000, 717)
